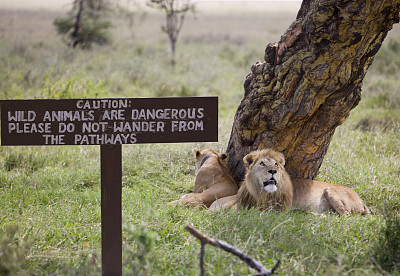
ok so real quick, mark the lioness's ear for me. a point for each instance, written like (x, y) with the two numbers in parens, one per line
(222, 156)
(248, 160)
(196, 152)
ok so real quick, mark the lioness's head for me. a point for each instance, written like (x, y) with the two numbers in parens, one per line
(265, 172)
(203, 155)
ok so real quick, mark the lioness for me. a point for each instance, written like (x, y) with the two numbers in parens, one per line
(213, 180)
(267, 184)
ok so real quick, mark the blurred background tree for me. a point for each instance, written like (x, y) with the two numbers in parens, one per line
(175, 11)
(86, 23)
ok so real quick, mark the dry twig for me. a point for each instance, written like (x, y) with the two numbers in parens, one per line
(262, 271)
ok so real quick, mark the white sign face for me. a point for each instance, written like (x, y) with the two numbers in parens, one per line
(109, 121)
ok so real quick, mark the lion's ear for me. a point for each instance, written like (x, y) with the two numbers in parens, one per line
(281, 159)
(248, 160)
(223, 156)
(196, 152)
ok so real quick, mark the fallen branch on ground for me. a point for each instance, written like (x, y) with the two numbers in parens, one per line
(262, 271)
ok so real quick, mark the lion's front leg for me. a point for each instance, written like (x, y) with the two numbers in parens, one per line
(224, 203)
(192, 199)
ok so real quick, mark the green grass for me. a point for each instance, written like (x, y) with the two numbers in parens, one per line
(50, 196)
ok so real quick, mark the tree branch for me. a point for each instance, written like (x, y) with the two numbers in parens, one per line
(262, 271)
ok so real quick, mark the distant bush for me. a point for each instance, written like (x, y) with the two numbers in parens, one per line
(92, 31)
(378, 124)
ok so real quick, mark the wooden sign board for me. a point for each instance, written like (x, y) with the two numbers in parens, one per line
(109, 123)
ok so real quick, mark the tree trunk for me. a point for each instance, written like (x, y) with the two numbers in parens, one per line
(309, 82)
(77, 24)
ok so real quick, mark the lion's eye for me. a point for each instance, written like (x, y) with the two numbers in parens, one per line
(276, 164)
(262, 164)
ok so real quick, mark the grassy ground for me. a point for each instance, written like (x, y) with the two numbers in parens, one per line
(50, 196)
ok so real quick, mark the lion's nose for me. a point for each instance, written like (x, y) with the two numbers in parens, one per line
(272, 171)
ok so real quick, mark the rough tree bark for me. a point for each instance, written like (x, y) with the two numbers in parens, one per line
(310, 81)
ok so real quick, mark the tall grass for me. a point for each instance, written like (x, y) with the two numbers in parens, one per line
(50, 196)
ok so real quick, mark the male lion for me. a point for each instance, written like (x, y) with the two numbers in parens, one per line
(267, 184)
(213, 180)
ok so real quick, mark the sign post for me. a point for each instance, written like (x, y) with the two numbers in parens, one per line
(111, 216)
(109, 123)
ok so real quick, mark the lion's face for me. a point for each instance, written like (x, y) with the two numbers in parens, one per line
(265, 170)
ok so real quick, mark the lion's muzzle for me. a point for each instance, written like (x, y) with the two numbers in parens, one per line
(272, 180)
(269, 182)
(270, 185)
